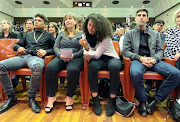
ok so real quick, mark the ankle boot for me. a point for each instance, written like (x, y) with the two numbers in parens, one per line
(97, 105)
(111, 106)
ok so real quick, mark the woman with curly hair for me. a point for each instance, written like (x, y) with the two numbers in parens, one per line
(100, 52)
(66, 40)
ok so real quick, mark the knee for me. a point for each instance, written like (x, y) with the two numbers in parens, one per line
(36, 70)
(92, 66)
(136, 74)
(115, 68)
(2, 69)
(73, 70)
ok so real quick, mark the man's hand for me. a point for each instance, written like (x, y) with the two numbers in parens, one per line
(176, 57)
(147, 61)
(21, 50)
(88, 57)
(41, 52)
(66, 59)
(84, 43)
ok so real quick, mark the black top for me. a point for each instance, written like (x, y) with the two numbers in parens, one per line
(143, 47)
(11, 35)
(45, 42)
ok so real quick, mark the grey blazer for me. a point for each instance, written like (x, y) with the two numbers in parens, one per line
(132, 40)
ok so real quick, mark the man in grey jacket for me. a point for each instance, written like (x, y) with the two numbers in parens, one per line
(144, 47)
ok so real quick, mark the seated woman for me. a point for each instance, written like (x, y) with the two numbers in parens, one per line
(53, 28)
(173, 41)
(100, 53)
(7, 30)
(67, 40)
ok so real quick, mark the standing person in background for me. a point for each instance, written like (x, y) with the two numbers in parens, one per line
(173, 41)
(67, 40)
(100, 52)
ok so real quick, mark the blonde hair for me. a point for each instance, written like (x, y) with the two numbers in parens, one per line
(175, 14)
(9, 23)
(76, 26)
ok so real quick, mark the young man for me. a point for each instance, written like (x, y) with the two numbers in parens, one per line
(144, 47)
(31, 50)
(158, 26)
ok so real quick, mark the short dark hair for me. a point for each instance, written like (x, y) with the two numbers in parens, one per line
(45, 19)
(142, 10)
(159, 21)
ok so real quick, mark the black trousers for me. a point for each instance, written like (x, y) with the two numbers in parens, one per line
(178, 64)
(113, 65)
(73, 68)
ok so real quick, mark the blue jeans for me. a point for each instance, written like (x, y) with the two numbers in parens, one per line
(35, 63)
(171, 73)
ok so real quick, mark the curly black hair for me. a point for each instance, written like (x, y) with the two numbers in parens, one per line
(101, 24)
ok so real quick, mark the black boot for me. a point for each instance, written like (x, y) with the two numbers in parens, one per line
(111, 107)
(34, 105)
(151, 106)
(97, 105)
(142, 109)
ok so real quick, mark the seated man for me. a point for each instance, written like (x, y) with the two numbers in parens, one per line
(144, 47)
(158, 26)
(32, 48)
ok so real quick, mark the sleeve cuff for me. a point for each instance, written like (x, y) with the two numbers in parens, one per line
(157, 60)
(136, 57)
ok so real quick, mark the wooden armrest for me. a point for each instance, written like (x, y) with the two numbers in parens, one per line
(48, 59)
(170, 61)
(10, 56)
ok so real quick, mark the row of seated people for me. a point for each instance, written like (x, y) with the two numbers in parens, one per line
(142, 45)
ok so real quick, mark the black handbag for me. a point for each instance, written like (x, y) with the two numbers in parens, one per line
(124, 107)
(174, 108)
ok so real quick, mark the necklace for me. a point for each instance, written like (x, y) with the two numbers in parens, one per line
(38, 37)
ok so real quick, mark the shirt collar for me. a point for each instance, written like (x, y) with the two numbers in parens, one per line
(146, 30)
(42, 30)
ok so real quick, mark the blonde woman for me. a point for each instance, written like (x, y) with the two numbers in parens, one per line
(67, 40)
(7, 30)
(173, 41)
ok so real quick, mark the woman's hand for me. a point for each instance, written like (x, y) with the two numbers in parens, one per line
(66, 59)
(88, 57)
(84, 43)
(176, 57)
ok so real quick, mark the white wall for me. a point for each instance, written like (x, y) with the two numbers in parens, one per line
(60, 12)
(6, 17)
(168, 16)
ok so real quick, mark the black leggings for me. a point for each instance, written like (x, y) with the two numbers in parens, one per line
(73, 70)
(113, 65)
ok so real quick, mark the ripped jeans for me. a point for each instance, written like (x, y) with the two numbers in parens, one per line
(35, 63)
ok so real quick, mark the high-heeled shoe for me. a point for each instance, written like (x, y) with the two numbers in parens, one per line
(49, 109)
(69, 107)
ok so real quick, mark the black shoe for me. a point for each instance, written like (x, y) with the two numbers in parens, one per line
(49, 109)
(97, 105)
(8, 104)
(34, 105)
(111, 106)
(142, 109)
(151, 106)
